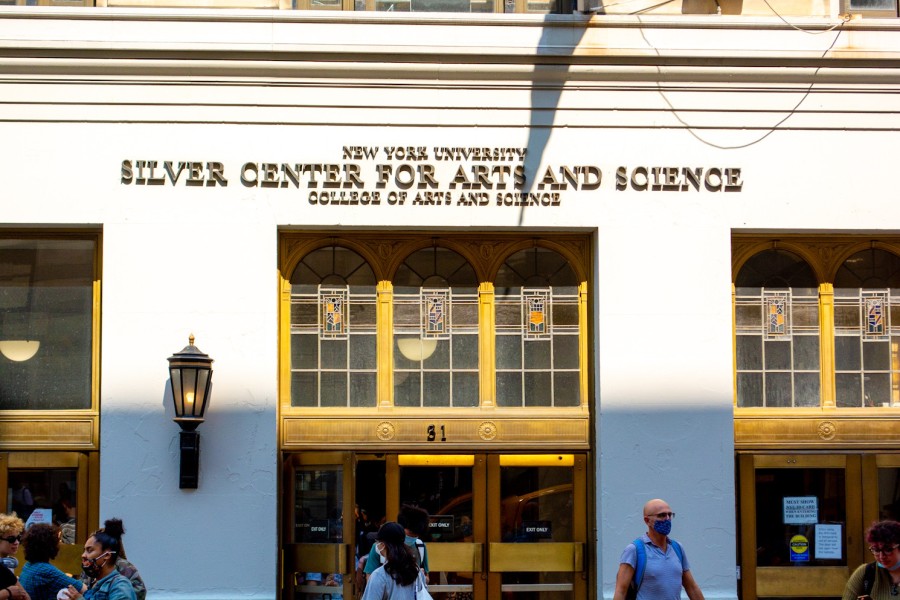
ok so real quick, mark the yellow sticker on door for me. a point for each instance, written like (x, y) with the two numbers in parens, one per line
(799, 549)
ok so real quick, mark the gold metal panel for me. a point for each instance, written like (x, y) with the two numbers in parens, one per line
(392, 431)
(460, 557)
(323, 558)
(74, 433)
(44, 460)
(885, 461)
(836, 430)
(565, 557)
(436, 460)
(801, 581)
(537, 460)
(788, 461)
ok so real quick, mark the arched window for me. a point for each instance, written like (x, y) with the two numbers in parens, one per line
(777, 332)
(537, 330)
(333, 333)
(867, 331)
(436, 330)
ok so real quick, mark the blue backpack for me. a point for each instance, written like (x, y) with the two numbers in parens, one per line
(642, 564)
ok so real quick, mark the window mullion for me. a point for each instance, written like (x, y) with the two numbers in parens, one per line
(384, 327)
(827, 346)
(487, 345)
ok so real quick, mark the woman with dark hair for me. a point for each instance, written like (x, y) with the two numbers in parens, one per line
(40, 579)
(123, 566)
(99, 562)
(879, 580)
(398, 577)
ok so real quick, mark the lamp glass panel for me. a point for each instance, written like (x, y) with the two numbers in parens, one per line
(189, 385)
(177, 391)
(202, 392)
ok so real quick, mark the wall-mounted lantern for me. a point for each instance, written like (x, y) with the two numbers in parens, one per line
(190, 373)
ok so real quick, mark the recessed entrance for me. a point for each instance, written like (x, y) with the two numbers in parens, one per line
(502, 526)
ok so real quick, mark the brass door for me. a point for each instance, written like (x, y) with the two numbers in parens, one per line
(54, 487)
(501, 526)
(317, 557)
(537, 526)
(801, 524)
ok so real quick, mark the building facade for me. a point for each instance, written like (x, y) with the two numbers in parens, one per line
(526, 271)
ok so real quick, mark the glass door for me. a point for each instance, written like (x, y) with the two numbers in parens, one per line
(537, 527)
(508, 527)
(801, 524)
(317, 558)
(451, 489)
(51, 487)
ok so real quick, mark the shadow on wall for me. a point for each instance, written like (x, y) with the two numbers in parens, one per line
(547, 84)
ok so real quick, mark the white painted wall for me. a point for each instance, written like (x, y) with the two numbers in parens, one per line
(202, 260)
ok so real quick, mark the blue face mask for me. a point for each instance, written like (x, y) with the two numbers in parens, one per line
(663, 527)
(894, 568)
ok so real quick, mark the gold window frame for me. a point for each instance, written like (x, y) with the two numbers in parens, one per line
(70, 429)
(826, 426)
(386, 426)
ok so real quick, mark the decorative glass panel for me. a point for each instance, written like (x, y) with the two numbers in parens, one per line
(536, 304)
(435, 315)
(778, 308)
(333, 302)
(874, 304)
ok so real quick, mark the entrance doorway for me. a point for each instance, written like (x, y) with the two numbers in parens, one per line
(803, 519)
(52, 487)
(501, 525)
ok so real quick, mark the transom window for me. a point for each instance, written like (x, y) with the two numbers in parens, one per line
(333, 330)
(867, 338)
(442, 326)
(789, 322)
(537, 330)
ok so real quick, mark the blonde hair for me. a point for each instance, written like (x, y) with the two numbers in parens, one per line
(10, 524)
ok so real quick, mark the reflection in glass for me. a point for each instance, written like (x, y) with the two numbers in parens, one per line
(889, 493)
(47, 296)
(536, 506)
(318, 497)
(45, 496)
(435, 330)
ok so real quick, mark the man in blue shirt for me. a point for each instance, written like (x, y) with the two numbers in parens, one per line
(666, 571)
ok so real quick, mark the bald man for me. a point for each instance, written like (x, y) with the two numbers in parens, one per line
(665, 573)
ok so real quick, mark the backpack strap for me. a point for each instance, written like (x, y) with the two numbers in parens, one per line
(420, 546)
(869, 578)
(640, 565)
(678, 551)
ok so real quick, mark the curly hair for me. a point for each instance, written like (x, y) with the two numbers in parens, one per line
(41, 542)
(10, 524)
(884, 532)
